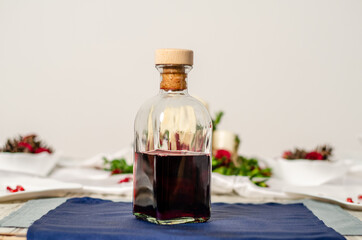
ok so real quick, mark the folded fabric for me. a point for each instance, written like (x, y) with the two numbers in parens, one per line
(95, 180)
(242, 186)
(35, 164)
(97, 160)
(30, 212)
(335, 217)
(89, 218)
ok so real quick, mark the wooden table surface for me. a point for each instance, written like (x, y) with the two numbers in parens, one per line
(20, 233)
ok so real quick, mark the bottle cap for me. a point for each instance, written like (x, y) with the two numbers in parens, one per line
(174, 56)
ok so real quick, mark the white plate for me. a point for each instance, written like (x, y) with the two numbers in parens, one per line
(302, 172)
(34, 187)
(329, 193)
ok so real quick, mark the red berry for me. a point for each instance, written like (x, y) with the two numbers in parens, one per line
(126, 179)
(287, 154)
(20, 188)
(222, 153)
(116, 171)
(349, 200)
(360, 197)
(11, 190)
(314, 156)
(40, 150)
(25, 145)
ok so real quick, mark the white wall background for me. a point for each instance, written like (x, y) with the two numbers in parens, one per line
(286, 73)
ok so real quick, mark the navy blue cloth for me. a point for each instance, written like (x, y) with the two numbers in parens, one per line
(97, 219)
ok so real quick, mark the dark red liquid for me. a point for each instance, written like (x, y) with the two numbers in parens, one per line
(169, 185)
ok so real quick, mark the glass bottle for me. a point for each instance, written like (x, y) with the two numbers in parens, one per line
(172, 144)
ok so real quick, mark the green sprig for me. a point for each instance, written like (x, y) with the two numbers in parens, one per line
(117, 166)
(247, 167)
(217, 120)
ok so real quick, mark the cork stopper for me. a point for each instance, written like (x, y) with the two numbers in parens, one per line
(175, 64)
(173, 78)
(172, 56)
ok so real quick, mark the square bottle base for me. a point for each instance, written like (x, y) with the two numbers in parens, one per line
(173, 221)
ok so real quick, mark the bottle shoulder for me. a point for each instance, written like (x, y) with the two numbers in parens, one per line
(173, 105)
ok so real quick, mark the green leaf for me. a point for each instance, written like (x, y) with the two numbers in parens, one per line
(117, 164)
(217, 120)
(221, 170)
(248, 167)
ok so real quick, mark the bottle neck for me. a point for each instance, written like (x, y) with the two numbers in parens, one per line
(173, 78)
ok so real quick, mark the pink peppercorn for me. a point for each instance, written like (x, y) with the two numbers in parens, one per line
(20, 188)
(126, 179)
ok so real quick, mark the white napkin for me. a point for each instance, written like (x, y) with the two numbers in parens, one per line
(89, 172)
(221, 184)
(97, 160)
(35, 187)
(95, 180)
(39, 164)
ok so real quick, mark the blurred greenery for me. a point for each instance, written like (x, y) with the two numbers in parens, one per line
(246, 167)
(217, 120)
(117, 166)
